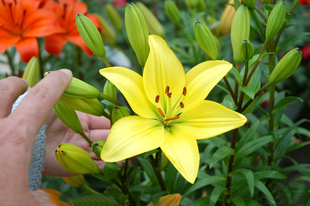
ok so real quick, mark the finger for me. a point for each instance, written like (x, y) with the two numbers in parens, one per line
(98, 122)
(98, 134)
(37, 105)
(10, 89)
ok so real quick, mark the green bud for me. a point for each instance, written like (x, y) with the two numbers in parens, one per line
(152, 22)
(275, 20)
(201, 6)
(89, 106)
(69, 117)
(249, 3)
(246, 50)
(114, 17)
(172, 12)
(286, 66)
(96, 147)
(206, 40)
(137, 32)
(108, 35)
(240, 30)
(118, 112)
(110, 90)
(90, 35)
(81, 90)
(75, 160)
(75, 181)
(32, 71)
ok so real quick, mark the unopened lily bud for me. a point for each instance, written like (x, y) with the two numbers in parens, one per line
(118, 112)
(249, 3)
(286, 66)
(275, 20)
(137, 32)
(75, 181)
(69, 117)
(240, 30)
(206, 40)
(172, 12)
(110, 90)
(96, 147)
(90, 35)
(168, 200)
(89, 106)
(32, 71)
(114, 17)
(201, 6)
(81, 90)
(75, 160)
(246, 50)
(152, 22)
(227, 18)
(108, 35)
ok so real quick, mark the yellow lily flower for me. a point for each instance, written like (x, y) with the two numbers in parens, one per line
(172, 109)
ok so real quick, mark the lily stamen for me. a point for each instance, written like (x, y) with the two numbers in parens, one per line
(182, 105)
(184, 91)
(161, 112)
(172, 118)
(157, 99)
(167, 90)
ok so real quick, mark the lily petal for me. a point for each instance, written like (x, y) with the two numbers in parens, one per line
(27, 48)
(201, 79)
(7, 40)
(55, 43)
(209, 119)
(162, 69)
(181, 149)
(131, 86)
(131, 136)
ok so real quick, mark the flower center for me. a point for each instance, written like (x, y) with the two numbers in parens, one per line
(170, 112)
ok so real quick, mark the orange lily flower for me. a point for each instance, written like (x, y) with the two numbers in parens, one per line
(21, 22)
(66, 10)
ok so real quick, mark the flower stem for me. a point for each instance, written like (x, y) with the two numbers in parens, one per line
(106, 62)
(10, 62)
(123, 187)
(246, 67)
(261, 14)
(103, 96)
(230, 90)
(155, 164)
(86, 138)
(258, 24)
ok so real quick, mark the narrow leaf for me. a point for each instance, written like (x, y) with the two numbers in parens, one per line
(238, 201)
(220, 154)
(290, 41)
(285, 101)
(268, 174)
(249, 91)
(149, 170)
(216, 193)
(259, 185)
(237, 75)
(248, 136)
(249, 177)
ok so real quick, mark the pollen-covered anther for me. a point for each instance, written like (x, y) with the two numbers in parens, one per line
(172, 118)
(184, 91)
(161, 112)
(167, 89)
(182, 105)
(157, 99)
(169, 94)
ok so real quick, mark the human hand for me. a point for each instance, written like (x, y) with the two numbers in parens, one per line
(19, 129)
(96, 128)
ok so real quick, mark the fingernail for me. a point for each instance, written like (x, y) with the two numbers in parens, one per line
(67, 71)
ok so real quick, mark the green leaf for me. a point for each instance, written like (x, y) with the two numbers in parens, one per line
(249, 91)
(204, 182)
(304, 178)
(144, 188)
(220, 154)
(268, 174)
(116, 194)
(229, 102)
(170, 177)
(286, 192)
(201, 201)
(91, 200)
(259, 185)
(290, 41)
(248, 136)
(249, 177)
(149, 170)
(216, 193)
(264, 55)
(132, 172)
(285, 101)
(237, 75)
(110, 170)
(238, 201)
(250, 147)
(223, 88)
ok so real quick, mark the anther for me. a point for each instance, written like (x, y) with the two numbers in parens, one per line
(169, 94)
(161, 112)
(184, 91)
(157, 99)
(172, 118)
(182, 105)
(167, 90)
